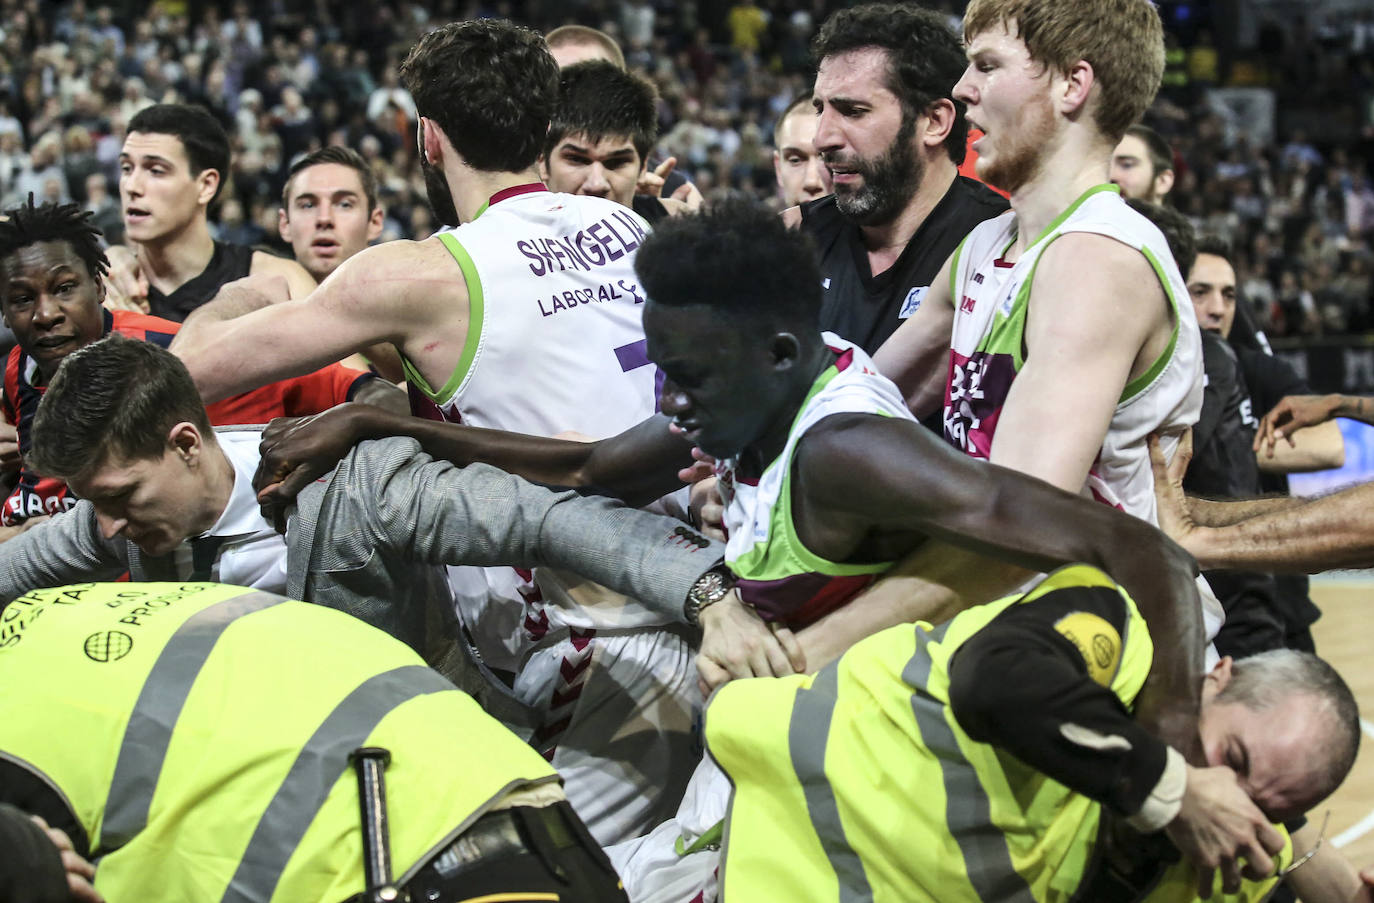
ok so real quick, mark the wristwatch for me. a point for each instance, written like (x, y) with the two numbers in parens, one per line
(712, 586)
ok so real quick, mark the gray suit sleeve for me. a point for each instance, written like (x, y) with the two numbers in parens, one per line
(66, 549)
(438, 513)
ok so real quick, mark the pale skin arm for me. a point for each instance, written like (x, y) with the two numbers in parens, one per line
(1086, 328)
(375, 296)
(916, 356)
(1312, 437)
(933, 583)
(1320, 447)
(299, 283)
(1328, 877)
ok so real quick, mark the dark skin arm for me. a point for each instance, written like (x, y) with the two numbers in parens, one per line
(872, 487)
(638, 466)
(875, 488)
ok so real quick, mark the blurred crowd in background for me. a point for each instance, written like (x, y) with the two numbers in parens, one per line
(1269, 108)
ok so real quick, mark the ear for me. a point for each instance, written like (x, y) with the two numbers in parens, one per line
(207, 183)
(940, 117)
(432, 141)
(1074, 87)
(1164, 182)
(99, 292)
(283, 225)
(186, 441)
(375, 220)
(785, 350)
(1217, 679)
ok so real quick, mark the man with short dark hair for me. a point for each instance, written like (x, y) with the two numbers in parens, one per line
(329, 209)
(1143, 165)
(892, 137)
(802, 175)
(599, 139)
(173, 167)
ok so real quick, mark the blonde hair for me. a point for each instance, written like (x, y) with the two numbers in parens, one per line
(1123, 40)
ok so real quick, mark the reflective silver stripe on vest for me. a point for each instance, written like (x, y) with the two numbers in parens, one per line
(806, 739)
(967, 809)
(321, 762)
(155, 714)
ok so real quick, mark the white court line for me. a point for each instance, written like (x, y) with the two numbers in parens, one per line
(1366, 824)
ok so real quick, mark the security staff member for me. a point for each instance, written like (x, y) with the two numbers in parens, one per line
(195, 740)
(974, 761)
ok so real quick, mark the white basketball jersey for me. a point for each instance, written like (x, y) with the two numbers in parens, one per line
(991, 300)
(555, 339)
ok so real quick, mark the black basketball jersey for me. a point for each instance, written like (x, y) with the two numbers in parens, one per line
(866, 309)
(229, 262)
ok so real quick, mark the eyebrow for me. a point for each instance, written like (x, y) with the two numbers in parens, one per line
(146, 158)
(587, 152)
(337, 193)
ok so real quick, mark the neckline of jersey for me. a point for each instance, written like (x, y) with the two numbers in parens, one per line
(513, 191)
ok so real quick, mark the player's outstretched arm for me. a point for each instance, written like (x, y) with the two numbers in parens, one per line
(916, 356)
(862, 475)
(247, 338)
(637, 466)
(1277, 534)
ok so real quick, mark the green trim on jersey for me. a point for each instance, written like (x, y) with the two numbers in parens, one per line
(954, 273)
(1143, 381)
(763, 561)
(1073, 208)
(476, 310)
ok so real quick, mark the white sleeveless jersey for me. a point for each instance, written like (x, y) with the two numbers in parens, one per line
(556, 344)
(555, 339)
(987, 350)
(782, 579)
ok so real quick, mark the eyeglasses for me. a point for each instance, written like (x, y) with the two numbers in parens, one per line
(1305, 857)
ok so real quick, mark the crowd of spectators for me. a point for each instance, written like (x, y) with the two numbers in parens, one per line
(1297, 200)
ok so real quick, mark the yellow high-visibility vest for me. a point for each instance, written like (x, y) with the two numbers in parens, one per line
(200, 733)
(858, 784)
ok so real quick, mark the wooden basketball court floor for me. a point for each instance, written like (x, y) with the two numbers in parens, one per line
(1347, 604)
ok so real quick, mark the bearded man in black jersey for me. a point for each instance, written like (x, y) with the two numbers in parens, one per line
(892, 138)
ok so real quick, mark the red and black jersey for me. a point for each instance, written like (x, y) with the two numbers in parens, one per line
(295, 397)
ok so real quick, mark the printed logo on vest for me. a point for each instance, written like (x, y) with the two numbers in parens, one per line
(912, 302)
(108, 645)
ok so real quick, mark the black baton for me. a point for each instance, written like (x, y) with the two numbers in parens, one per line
(370, 762)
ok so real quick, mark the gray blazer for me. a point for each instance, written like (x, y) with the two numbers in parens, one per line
(372, 538)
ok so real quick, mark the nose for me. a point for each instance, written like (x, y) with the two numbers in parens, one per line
(596, 184)
(964, 92)
(672, 400)
(47, 312)
(109, 524)
(130, 184)
(814, 181)
(324, 214)
(828, 134)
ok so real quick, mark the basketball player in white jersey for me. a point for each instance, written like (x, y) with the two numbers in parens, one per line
(1057, 336)
(525, 318)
